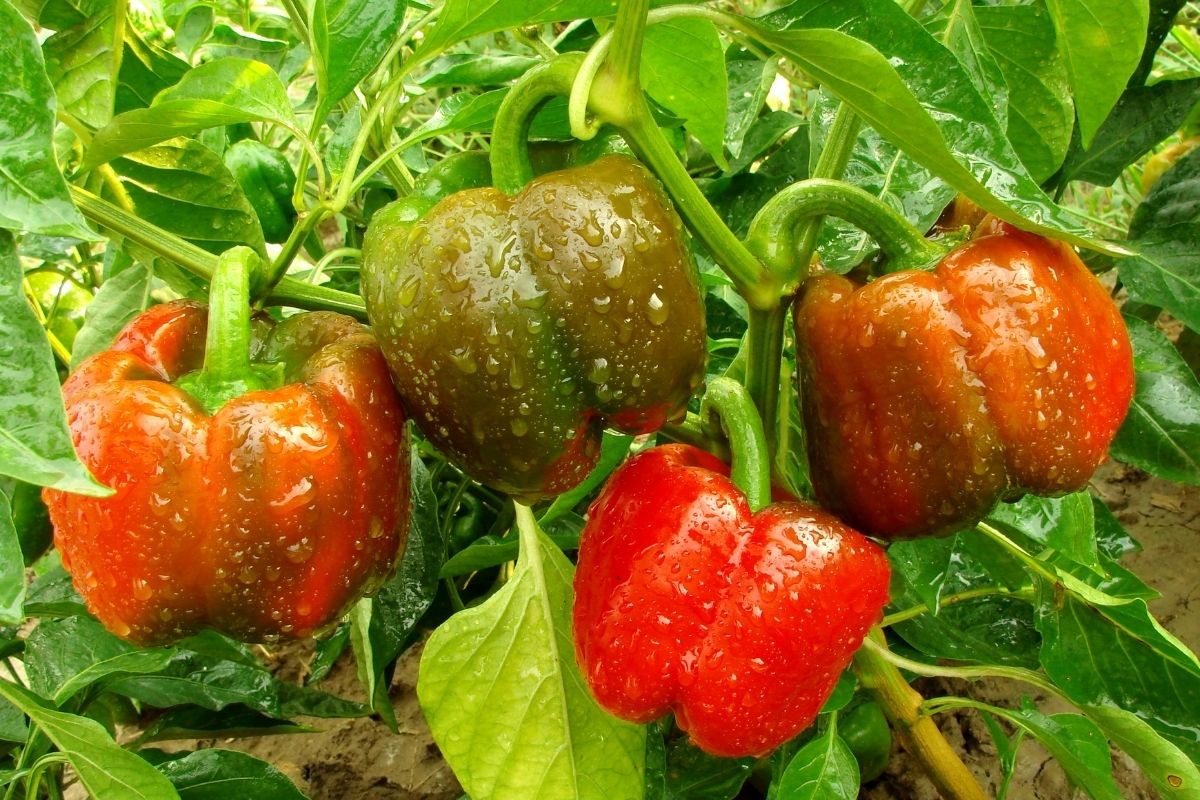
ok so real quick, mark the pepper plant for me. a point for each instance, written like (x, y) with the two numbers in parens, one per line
(579, 231)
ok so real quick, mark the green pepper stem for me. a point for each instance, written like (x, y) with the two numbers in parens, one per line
(227, 346)
(902, 705)
(773, 232)
(729, 403)
(511, 167)
(201, 263)
(764, 346)
(625, 60)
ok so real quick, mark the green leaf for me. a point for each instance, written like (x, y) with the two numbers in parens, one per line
(613, 448)
(476, 69)
(184, 187)
(193, 28)
(145, 71)
(491, 551)
(1119, 655)
(226, 41)
(12, 569)
(222, 774)
(1173, 775)
(963, 36)
(1162, 17)
(1076, 743)
(33, 194)
(104, 768)
(350, 38)
(504, 673)
(463, 19)
(82, 64)
(1161, 433)
(824, 769)
(997, 629)
(1066, 524)
(750, 81)
(692, 774)
(886, 67)
(190, 722)
(1166, 232)
(1040, 111)
(222, 92)
(65, 656)
(1090, 31)
(35, 444)
(119, 300)
(1144, 117)
(683, 69)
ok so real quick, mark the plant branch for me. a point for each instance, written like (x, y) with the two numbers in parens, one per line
(903, 707)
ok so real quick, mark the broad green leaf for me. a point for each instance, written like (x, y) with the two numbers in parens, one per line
(1066, 524)
(119, 300)
(216, 774)
(194, 28)
(33, 194)
(350, 38)
(57, 15)
(504, 673)
(886, 67)
(1144, 117)
(1090, 32)
(12, 569)
(30, 518)
(104, 768)
(190, 722)
(35, 444)
(205, 681)
(65, 656)
(12, 724)
(750, 81)
(763, 134)
(1076, 743)
(82, 64)
(476, 69)
(875, 166)
(463, 19)
(222, 92)
(1171, 772)
(960, 31)
(998, 629)
(1162, 17)
(1118, 655)
(145, 71)
(824, 769)
(491, 551)
(683, 69)
(226, 41)
(184, 187)
(1166, 232)
(1161, 433)
(1040, 111)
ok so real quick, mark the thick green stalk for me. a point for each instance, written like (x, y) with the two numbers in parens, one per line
(902, 705)
(727, 404)
(764, 348)
(778, 234)
(511, 167)
(202, 263)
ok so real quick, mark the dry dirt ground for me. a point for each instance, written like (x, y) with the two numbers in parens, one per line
(362, 760)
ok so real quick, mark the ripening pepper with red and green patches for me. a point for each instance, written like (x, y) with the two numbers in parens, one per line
(260, 497)
(519, 327)
(929, 396)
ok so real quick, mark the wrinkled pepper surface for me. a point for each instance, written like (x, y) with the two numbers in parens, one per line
(741, 623)
(518, 328)
(929, 396)
(269, 517)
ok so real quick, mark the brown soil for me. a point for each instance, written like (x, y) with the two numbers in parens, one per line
(353, 759)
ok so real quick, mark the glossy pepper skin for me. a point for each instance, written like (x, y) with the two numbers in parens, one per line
(269, 518)
(517, 328)
(741, 623)
(929, 396)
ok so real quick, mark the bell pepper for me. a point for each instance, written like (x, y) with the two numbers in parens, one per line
(260, 470)
(268, 181)
(866, 732)
(518, 327)
(930, 395)
(740, 622)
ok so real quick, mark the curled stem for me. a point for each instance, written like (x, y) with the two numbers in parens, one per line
(727, 404)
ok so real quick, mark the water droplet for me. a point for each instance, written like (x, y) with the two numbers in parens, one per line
(142, 590)
(519, 426)
(656, 310)
(463, 360)
(602, 304)
(599, 372)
